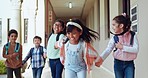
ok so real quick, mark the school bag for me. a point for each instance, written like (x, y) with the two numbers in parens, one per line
(116, 39)
(40, 50)
(57, 37)
(17, 47)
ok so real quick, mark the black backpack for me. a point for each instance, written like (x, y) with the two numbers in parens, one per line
(116, 39)
(40, 50)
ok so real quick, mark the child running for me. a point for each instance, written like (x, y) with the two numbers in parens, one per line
(38, 56)
(77, 54)
(126, 47)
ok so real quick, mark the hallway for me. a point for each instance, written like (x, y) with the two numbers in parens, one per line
(97, 73)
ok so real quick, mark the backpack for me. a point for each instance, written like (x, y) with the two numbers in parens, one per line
(116, 39)
(17, 47)
(57, 37)
(40, 50)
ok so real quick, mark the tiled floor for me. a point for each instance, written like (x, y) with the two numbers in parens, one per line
(96, 73)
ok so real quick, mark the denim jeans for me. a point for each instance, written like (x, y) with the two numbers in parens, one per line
(124, 69)
(17, 72)
(72, 74)
(37, 72)
(56, 68)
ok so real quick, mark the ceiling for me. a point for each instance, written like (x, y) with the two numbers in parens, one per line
(80, 8)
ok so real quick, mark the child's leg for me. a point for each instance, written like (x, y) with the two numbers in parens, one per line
(130, 70)
(59, 69)
(39, 72)
(34, 71)
(118, 69)
(9, 72)
(17, 72)
(52, 67)
(81, 74)
(70, 74)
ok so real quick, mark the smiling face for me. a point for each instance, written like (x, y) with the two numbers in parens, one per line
(57, 27)
(37, 42)
(117, 28)
(12, 37)
(74, 36)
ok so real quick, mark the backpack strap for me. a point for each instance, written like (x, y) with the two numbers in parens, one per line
(116, 39)
(58, 36)
(42, 52)
(31, 51)
(7, 47)
(132, 37)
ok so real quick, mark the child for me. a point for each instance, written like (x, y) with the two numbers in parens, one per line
(77, 54)
(53, 54)
(37, 55)
(12, 51)
(125, 52)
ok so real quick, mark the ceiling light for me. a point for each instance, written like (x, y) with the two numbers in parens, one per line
(70, 5)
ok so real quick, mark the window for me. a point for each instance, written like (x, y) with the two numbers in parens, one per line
(0, 31)
(134, 19)
(8, 26)
(107, 19)
(25, 30)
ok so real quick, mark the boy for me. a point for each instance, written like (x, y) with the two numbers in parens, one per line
(12, 51)
(37, 55)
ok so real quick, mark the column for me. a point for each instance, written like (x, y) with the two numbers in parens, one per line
(15, 21)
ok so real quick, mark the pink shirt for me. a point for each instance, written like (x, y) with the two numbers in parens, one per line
(127, 53)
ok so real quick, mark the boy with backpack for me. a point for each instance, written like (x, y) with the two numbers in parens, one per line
(38, 56)
(12, 51)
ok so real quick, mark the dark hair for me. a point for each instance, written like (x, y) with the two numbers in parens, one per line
(125, 20)
(63, 26)
(12, 31)
(87, 34)
(37, 37)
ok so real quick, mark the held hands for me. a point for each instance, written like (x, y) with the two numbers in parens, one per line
(99, 62)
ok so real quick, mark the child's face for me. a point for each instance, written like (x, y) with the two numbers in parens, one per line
(57, 27)
(74, 36)
(117, 28)
(37, 42)
(12, 37)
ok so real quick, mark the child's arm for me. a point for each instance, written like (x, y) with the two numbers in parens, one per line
(132, 49)
(108, 50)
(8, 56)
(27, 57)
(45, 53)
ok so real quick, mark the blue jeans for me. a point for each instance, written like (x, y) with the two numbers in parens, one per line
(56, 68)
(124, 69)
(72, 74)
(37, 72)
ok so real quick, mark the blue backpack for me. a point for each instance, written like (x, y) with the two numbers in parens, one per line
(17, 47)
(116, 39)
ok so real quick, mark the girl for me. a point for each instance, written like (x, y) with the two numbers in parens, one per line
(53, 54)
(77, 49)
(125, 53)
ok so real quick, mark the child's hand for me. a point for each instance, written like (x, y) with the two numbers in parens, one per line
(15, 54)
(45, 55)
(119, 45)
(99, 62)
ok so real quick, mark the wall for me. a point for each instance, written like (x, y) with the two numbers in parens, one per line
(141, 62)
